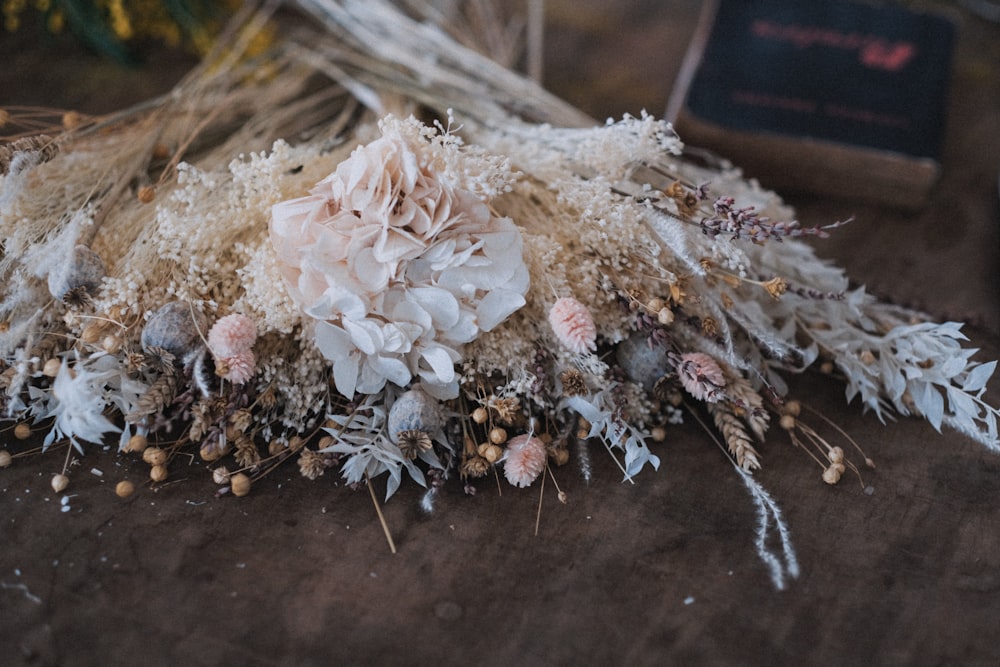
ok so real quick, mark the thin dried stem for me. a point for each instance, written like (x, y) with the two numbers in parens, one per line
(381, 517)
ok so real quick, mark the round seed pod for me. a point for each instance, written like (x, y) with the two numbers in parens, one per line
(239, 484)
(220, 475)
(832, 474)
(22, 431)
(490, 452)
(51, 367)
(176, 328)
(414, 410)
(83, 272)
(124, 489)
(5, 458)
(158, 473)
(137, 443)
(59, 482)
(154, 456)
(643, 363)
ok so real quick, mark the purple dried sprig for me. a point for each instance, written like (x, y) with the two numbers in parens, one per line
(747, 223)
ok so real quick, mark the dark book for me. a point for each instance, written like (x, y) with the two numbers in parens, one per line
(839, 98)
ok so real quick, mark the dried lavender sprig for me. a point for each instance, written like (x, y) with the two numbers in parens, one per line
(747, 223)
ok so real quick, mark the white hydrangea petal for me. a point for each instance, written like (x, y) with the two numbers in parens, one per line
(373, 274)
(441, 362)
(332, 341)
(345, 374)
(391, 369)
(413, 313)
(464, 331)
(439, 303)
(442, 392)
(365, 334)
(496, 307)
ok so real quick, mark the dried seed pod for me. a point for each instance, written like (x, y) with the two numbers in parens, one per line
(498, 436)
(220, 475)
(490, 452)
(793, 408)
(414, 410)
(5, 458)
(22, 431)
(158, 473)
(154, 456)
(81, 275)
(51, 367)
(91, 333)
(176, 327)
(124, 489)
(832, 474)
(480, 415)
(559, 456)
(642, 362)
(111, 344)
(137, 443)
(239, 484)
(59, 482)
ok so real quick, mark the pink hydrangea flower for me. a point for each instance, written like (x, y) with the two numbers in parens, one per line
(573, 325)
(701, 375)
(525, 460)
(232, 335)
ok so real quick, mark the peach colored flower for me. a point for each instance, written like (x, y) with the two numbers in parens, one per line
(524, 460)
(573, 325)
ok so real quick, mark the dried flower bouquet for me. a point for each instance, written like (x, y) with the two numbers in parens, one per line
(260, 268)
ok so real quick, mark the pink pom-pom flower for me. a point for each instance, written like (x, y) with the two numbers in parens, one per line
(232, 335)
(525, 460)
(573, 325)
(701, 375)
(238, 368)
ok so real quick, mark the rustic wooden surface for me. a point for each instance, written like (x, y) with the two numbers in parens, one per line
(662, 572)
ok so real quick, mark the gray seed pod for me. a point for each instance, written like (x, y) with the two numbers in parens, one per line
(642, 364)
(176, 328)
(414, 410)
(82, 273)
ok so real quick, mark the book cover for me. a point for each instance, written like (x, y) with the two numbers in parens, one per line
(842, 85)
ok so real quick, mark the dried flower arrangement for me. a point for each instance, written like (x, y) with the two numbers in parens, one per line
(338, 282)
